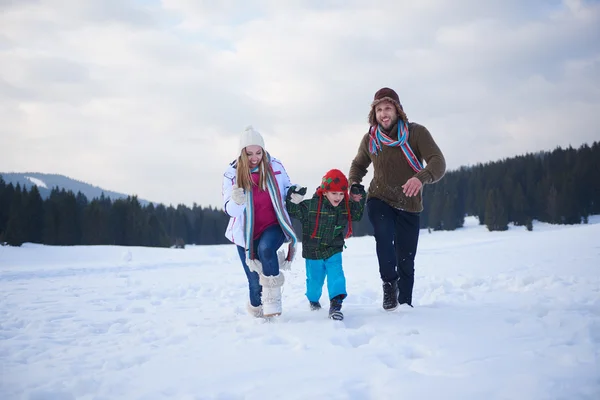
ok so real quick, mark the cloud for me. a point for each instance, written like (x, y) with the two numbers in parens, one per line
(150, 97)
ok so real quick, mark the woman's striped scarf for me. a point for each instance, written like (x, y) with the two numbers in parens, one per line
(377, 138)
(278, 204)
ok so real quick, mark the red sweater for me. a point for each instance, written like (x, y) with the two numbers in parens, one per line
(264, 212)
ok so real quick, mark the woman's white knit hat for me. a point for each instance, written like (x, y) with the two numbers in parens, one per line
(251, 137)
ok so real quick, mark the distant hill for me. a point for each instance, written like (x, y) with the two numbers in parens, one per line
(46, 182)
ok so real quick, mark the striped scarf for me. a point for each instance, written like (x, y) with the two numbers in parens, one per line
(377, 138)
(278, 204)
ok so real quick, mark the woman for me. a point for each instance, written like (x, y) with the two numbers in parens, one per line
(254, 190)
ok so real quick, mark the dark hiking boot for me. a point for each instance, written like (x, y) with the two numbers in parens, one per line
(335, 308)
(390, 295)
(314, 305)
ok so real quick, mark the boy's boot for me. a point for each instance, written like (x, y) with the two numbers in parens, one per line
(314, 305)
(390, 295)
(271, 294)
(335, 308)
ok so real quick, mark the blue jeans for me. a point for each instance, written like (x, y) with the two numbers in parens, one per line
(317, 270)
(265, 248)
(396, 239)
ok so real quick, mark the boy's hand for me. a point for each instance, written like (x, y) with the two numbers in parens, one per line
(356, 197)
(301, 190)
(297, 195)
(356, 191)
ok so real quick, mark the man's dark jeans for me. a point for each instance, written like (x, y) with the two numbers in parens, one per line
(396, 238)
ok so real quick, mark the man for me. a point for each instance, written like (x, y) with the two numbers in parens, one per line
(397, 150)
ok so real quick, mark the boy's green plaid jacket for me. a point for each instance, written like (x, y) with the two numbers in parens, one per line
(333, 221)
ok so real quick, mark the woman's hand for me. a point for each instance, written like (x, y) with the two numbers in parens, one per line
(238, 195)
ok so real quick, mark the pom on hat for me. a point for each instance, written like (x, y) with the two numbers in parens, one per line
(251, 137)
(334, 181)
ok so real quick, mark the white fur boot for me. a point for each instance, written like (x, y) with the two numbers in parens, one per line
(256, 312)
(271, 294)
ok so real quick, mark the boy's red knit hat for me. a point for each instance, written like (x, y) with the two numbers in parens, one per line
(334, 181)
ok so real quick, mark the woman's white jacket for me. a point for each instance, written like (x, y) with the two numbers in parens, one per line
(235, 228)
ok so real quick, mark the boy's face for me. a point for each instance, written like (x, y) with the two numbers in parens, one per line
(335, 198)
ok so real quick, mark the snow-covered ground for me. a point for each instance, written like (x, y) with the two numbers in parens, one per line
(505, 315)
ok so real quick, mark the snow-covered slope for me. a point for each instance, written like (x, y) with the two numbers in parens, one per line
(46, 182)
(504, 315)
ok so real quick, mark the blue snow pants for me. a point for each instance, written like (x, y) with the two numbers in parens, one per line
(318, 270)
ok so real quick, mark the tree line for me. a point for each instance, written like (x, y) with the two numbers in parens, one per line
(558, 187)
(66, 219)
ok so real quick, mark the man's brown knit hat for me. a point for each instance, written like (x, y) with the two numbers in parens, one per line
(386, 94)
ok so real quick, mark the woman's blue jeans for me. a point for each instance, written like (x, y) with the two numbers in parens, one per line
(265, 248)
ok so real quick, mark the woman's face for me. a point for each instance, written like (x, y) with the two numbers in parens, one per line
(254, 154)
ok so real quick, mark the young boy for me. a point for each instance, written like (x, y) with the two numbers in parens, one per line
(323, 225)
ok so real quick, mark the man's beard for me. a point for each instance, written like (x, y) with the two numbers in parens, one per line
(393, 122)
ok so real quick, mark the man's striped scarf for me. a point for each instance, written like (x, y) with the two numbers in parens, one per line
(377, 138)
(278, 204)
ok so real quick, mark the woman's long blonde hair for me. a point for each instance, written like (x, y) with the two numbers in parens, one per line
(243, 178)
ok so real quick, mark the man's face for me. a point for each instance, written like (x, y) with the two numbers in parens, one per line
(386, 114)
(335, 198)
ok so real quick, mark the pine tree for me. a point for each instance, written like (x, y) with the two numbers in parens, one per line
(495, 213)
(95, 224)
(34, 216)
(118, 221)
(591, 179)
(519, 206)
(569, 211)
(180, 225)
(51, 218)
(552, 205)
(136, 223)
(157, 235)
(197, 223)
(436, 209)
(69, 233)
(453, 213)
(15, 228)
(6, 194)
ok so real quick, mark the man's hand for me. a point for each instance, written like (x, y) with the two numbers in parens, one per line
(238, 195)
(412, 187)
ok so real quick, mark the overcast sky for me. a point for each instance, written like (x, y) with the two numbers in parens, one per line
(149, 97)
